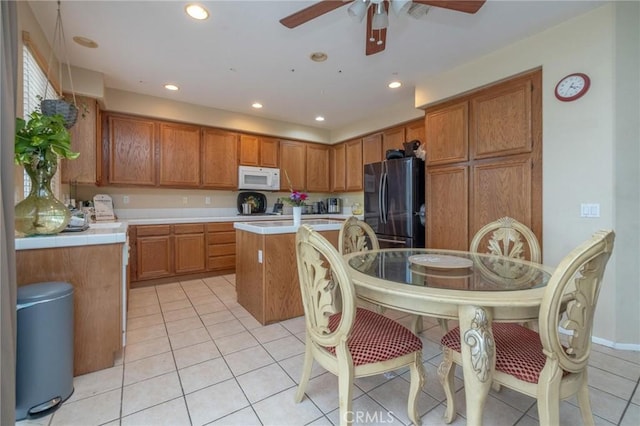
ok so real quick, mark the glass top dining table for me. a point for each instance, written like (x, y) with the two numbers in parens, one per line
(474, 289)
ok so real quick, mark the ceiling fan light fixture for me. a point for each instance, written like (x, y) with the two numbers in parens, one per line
(401, 6)
(380, 18)
(418, 10)
(358, 9)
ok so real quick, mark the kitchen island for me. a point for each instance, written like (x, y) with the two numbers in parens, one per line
(94, 263)
(266, 269)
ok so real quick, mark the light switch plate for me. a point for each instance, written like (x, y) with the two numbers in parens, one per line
(589, 210)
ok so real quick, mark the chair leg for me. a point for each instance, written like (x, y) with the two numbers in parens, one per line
(444, 325)
(446, 374)
(548, 393)
(584, 403)
(306, 372)
(417, 382)
(345, 388)
(416, 324)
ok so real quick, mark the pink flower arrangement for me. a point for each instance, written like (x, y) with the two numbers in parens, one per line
(297, 198)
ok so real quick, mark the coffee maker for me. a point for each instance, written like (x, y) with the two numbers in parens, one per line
(334, 205)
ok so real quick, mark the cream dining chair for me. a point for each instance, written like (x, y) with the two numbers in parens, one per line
(507, 237)
(356, 235)
(349, 342)
(547, 365)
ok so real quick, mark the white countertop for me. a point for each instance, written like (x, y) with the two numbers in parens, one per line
(98, 233)
(287, 226)
(235, 218)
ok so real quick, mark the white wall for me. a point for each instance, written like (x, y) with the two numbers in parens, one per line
(580, 149)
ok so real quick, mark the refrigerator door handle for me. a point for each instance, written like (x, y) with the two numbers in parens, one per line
(384, 198)
(392, 241)
(380, 192)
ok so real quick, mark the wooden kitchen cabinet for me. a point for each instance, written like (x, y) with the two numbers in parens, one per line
(372, 148)
(447, 215)
(179, 155)
(353, 165)
(393, 139)
(258, 151)
(219, 159)
(415, 131)
(85, 140)
(189, 243)
(293, 164)
(337, 166)
(221, 246)
(130, 145)
(447, 133)
(154, 252)
(317, 158)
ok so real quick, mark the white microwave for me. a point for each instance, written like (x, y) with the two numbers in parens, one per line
(262, 178)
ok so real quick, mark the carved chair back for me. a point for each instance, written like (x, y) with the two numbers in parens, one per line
(356, 235)
(507, 237)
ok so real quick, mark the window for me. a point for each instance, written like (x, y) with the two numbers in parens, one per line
(34, 84)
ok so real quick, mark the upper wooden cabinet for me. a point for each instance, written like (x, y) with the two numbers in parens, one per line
(337, 159)
(130, 145)
(393, 139)
(447, 133)
(317, 158)
(258, 151)
(415, 131)
(179, 155)
(372, 148)
(293, 164)
(353, 165)
(219, 159)
(85, 140)
(500, 120)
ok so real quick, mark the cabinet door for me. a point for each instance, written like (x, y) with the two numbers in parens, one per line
(354, 165)
(154, 257)
(219, 159)
(446, 134)
(393, 139)
(249, 150)
(189, 240)
(500, 120)
(337, 158)
(372, 148)
(179, 155)
(293, 164)
(415, 131)
(318, 168)
(84, 139)
(131, 146)
(269, 148)
(509, 183)
(447, 222)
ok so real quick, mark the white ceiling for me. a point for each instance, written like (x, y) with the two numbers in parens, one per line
(242, 53)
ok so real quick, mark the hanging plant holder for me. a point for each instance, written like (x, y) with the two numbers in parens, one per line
(59, 106)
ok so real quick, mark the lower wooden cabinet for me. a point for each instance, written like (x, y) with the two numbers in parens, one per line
(153, 252)
(189, 248)
(221, 246)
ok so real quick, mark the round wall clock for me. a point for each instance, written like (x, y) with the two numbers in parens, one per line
(572, 87)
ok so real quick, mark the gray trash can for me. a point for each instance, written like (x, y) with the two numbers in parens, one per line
(44, 358)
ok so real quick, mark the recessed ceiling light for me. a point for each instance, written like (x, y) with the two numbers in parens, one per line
(197, 12)
(256, 105)
(171, 87)
(394, 84)
(319, 118)
(318, 56)
(86, 42)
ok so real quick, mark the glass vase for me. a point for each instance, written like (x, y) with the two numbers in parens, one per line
(297, 215)
(40, 213)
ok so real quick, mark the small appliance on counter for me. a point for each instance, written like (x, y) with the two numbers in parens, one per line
(334, 205)
(251, 203)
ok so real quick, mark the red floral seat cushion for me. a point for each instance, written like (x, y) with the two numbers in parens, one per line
(376, 338)
(518, 350)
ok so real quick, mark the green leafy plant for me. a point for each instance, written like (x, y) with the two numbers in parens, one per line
(41, 139)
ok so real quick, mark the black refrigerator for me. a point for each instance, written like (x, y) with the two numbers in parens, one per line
(394, 201)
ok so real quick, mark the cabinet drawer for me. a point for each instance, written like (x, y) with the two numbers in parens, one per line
(220, 227)
(151, 230)
(222, 262)
(221, 237)
(189, 228)
(221, 249)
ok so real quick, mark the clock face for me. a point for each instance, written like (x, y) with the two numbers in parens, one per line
(572, 87)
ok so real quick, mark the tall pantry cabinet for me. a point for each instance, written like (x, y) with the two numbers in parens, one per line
(484, 161)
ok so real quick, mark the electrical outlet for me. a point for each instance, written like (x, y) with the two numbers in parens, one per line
(125, 199)
(185, 200)
(589, 210)
(207, 200)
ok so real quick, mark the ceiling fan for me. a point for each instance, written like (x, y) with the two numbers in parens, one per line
(377, 14)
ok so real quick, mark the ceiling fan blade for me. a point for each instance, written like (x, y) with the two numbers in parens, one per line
(466, 6)
(373, 47)
(312, 12)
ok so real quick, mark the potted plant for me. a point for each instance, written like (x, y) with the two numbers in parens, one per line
(39, 143)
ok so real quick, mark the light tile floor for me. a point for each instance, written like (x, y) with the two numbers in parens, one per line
(194, 356)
